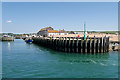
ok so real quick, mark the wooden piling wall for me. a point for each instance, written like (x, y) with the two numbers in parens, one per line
(75, 45)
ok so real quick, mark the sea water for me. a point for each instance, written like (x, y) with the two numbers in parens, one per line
(23, 60)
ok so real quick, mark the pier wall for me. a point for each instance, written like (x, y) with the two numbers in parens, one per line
(6, 38)
(75, 45)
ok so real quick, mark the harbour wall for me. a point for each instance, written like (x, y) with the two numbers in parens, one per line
(75, 45)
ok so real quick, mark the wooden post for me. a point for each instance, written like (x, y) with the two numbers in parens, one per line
(91, 45)
(63, 47)
(77, 41)
(60, 44)
(79, 46)
(97, 42)
(94, 45)
(103, 45)
(69, 44)
(83, 46)
(65, 43)
(99, 45)
(105, 48)
(108, 44)
(56, 44)
(73, 45)
(86, 45)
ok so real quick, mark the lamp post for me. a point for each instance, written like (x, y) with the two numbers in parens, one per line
(84, 31)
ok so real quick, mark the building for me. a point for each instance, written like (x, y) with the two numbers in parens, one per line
(49, 31)
(63, 32)
(24, 35)
(32, 34)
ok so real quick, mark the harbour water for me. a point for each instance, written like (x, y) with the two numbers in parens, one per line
(23, 60)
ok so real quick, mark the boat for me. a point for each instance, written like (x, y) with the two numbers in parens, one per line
(28, 40)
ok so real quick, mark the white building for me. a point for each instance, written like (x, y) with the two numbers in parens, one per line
(48, 31)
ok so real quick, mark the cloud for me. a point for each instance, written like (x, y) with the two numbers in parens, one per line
(9, 21)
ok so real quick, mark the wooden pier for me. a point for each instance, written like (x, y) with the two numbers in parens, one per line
(75, 45)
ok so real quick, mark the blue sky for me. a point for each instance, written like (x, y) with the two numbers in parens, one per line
(28, 17)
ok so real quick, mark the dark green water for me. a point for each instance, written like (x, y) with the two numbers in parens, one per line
(22, 60)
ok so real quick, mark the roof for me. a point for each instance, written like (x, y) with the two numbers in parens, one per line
(53, 31)
(45, 28)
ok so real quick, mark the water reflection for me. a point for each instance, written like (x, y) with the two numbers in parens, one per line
(78, 58)
(8, 45)
(29, 45)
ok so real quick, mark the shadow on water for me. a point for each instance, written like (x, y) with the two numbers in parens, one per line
(76, 57)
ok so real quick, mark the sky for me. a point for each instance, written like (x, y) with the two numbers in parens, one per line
(30, 17)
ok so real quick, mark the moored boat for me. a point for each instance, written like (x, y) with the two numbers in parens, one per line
(28, 40)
